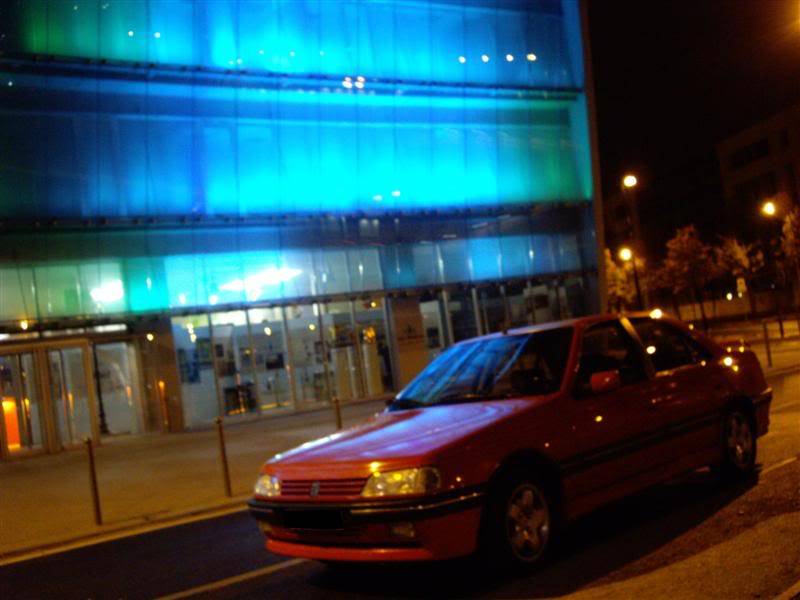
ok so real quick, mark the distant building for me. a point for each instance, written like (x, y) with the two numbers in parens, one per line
(761, 162)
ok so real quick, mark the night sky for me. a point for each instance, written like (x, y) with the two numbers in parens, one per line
(674, 77)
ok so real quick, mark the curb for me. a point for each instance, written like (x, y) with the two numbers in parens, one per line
(782, 372)
(791, 594)
(141, 525)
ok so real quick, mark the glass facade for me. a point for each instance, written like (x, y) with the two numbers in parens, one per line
(263, 176)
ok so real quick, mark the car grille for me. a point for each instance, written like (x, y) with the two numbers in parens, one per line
(301, 488)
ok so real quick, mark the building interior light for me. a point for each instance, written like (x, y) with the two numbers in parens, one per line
(157, 35)
(462, 59)
(24, 324)
(267, 330)
(485, 58)
(253, 284)
(510, 57)
(150, 337)
(111, 291)
(130, 32)
(396, 193)
(530, 56)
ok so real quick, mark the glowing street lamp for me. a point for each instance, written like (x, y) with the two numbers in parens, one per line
(768, 208)
(629, 181)
(626, 255)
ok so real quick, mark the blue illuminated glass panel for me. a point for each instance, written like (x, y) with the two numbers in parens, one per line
(292, 107)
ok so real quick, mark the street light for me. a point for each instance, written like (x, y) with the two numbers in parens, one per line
(629, 180)
(768, 208)
(626, 255)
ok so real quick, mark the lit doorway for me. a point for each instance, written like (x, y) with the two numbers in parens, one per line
(48, 397)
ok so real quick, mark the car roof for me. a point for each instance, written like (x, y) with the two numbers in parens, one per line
(577, 322)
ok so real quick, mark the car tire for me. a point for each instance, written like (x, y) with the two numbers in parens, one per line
(738, 446)
(519, 522)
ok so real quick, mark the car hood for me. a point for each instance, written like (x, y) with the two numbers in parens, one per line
(397, 439)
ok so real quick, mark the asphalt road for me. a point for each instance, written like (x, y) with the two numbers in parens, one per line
(689, 538)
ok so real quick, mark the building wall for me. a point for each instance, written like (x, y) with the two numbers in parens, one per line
(171, 155)
(268, 195)
(761, 162)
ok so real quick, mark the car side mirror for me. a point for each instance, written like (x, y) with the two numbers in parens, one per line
(605, 381)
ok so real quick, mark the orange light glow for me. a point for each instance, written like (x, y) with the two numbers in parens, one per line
(12, 423)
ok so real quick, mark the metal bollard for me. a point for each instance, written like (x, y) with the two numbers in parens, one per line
(337, 409)
(223, 456)
(766, 343)
(98, 517)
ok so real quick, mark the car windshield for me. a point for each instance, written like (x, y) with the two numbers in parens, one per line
(507, 366)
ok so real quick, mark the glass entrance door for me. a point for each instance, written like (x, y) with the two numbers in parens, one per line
(47, 397)
(119, 394)
(70, 394)
(22, 428)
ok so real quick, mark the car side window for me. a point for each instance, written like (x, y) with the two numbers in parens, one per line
(608, 347)
(668, 347)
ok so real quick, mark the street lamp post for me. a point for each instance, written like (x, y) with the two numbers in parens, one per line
(626, 255)
(770, 210)
(629, 185)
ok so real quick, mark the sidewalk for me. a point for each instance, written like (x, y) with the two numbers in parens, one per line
(46, 500)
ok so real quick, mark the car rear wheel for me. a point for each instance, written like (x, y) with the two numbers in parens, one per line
(739, 445)
(518, 523)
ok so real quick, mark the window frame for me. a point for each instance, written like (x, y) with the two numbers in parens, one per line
(694, 348)
(630, 338)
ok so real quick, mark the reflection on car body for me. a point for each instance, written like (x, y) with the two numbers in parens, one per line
(505, 438)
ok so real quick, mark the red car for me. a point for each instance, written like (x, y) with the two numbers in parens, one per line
(505, 438)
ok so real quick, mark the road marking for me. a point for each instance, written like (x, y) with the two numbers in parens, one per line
(124, 532)
(215, 585)
(783, 463)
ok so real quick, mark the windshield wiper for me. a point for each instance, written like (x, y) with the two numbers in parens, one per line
(403, 403)
(470, 397)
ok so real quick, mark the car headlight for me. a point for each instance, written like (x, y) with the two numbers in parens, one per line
(404, 481)
(268, 486)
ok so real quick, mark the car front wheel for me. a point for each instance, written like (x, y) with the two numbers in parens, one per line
(518, 524)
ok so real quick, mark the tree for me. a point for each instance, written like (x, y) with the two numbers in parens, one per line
(738, 260)
(621, 291)
(790, 245)
(688, 265)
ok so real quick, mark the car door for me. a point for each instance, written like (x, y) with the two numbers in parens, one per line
(690, 392)
(608, 429)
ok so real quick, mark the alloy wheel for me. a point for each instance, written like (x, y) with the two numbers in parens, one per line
(527, 522)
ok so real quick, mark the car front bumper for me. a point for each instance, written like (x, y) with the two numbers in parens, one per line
(439, 527)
